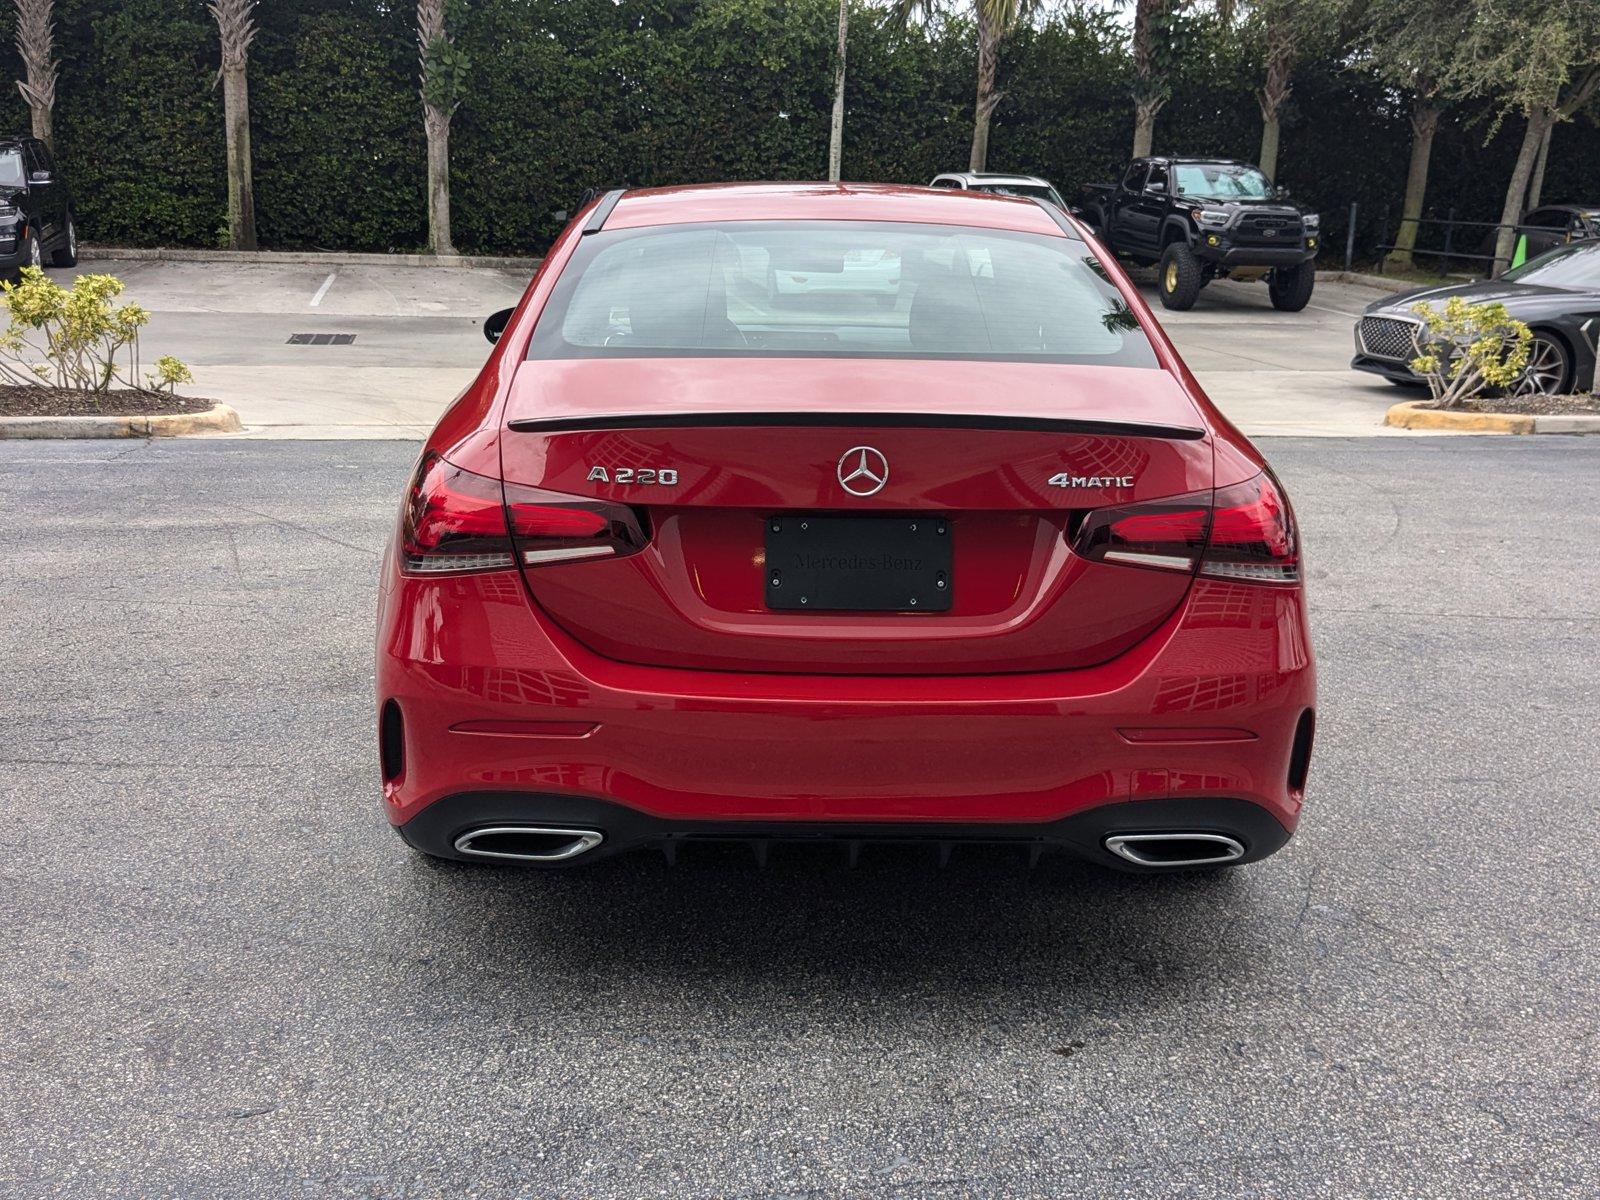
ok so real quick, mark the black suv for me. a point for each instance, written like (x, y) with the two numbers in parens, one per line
(1205, 219)
(35, 209)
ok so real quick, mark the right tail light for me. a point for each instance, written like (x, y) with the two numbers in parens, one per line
(1246, 532)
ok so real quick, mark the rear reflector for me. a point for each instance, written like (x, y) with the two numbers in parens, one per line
(457, 522)
(1246, 531)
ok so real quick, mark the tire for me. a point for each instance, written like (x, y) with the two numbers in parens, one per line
(33, 255)
(67, 255)
(1179, 277)
(1549, 370)
(1290, 287)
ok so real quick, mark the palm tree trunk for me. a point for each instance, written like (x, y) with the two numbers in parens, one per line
(1511, 214)
(43, 121)
(1144, 126)
(1424, 124)
(836, 133)
(1147, 91)
(988, 98)
(1267, 160)
(241, 187)
(437, 127)
(1273, 93)
(36, 47)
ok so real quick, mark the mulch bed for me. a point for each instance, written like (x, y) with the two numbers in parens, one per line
(26, 401)
(1536, 406)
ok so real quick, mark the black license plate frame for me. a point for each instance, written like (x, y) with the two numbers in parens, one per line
(824, 562)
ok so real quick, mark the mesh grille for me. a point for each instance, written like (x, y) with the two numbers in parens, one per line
(1385, 337)
(1267, 230)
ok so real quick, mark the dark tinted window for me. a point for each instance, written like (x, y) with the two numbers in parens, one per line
(1133, 181)
(837, 289)
(1158, 174)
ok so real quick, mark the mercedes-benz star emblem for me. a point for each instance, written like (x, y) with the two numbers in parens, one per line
(863, 471)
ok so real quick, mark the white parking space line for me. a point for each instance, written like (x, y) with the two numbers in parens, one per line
(1325, 308)
(323, 290)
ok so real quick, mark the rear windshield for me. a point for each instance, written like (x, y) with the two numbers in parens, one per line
(837, 289)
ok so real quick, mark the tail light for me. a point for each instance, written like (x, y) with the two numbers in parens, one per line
(1246, 531)
(456, 521)
(1169, 534)
(1253, 534)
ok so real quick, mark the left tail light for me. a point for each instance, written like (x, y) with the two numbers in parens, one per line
(456, 522)
(1245, 531)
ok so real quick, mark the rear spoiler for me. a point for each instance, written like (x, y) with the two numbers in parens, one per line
(851, 420)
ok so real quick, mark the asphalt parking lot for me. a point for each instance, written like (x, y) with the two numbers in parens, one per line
(418, 343)
(224, 976)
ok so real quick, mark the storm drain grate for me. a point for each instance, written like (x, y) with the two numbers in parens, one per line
(321, 339)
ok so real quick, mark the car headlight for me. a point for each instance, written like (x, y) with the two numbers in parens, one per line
(1211, 218)
(8, 212)
(1312, 221)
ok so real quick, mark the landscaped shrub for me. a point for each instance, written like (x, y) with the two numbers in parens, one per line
(1464, 349)
(78, 339)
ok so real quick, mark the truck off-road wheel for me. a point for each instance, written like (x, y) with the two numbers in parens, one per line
(1290, 287)
(1179, 277)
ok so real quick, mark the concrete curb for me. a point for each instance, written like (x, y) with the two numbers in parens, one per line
(1413, 415)
(220, 419)
(290, 258)
(1356, 279)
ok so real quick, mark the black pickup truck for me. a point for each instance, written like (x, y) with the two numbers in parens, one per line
(1205, 219)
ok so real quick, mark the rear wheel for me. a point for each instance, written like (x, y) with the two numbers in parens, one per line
(67, 254)
(1548, 370)
(1180, 277)
(1290, 287)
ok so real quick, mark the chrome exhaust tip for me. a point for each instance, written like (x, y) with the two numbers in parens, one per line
(527, 843)
(1175, 849)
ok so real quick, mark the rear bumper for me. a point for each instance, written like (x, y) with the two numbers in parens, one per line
(436, 829)
(488, 698)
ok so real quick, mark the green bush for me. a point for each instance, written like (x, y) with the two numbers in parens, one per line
(565, 95)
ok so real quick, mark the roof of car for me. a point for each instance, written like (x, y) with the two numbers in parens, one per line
(1198, 158)
(994, 177)
(824, 202)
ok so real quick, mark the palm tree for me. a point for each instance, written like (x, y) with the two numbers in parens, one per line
(1279, 30)
(36, 45)
(444, 70)
(836, 135)
(236, 28)
(1149, 81)
(996, 20)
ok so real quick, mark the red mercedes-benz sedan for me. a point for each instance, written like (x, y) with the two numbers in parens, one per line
(863, 513)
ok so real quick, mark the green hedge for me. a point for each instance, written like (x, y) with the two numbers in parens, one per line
(570, 94)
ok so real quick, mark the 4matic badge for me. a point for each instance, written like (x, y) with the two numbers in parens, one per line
(1062, 479)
